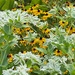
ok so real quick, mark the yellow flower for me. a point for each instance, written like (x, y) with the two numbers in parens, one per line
(69, 5)
(70, 30)
(32, 42)
(30, 10)
(73, 30)
(46, 15)
(63, 23)
(24, 52)
(42, 40)
(65, 72)
(35, 6)
(73, 49)
(14, 9)
(23, 42)
(16, 30)
(37, 12)
(9, 55)
(41, 54)
(44, 47)
(37, 40)
(10, 58)
(28, 29)
(58, 52)
(34, 50)
(44, 18)
(46, 31)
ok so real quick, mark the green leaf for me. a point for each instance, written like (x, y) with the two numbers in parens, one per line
(11, 4)
(42, 50)
(73, 12)
(53, 11)
(7, 29)
(1, 39)
(35, 1)
(8, 4)
(35, 67)
(44, 27)
(4, 58)
(66, 9)
(43, 7)
(50, 49)
(0, 69)
(10, 20)
(2, 2)
(73, 72)
(18, 23)
(29, 63)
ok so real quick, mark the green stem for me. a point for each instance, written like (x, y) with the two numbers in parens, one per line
(0, 70)
(3, 57)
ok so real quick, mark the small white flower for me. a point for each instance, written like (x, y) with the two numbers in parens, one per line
(22, 69)
(20, 58)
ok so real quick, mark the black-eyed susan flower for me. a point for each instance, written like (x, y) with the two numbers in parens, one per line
(41, 54)
(30, 10)
(42, 40)
(34, 50)
(23, 42)
(10, 58)
(14, 9)
(63, 23)
(68, 3)
(46, 16)
(46, 31)
(37, 12)
(24, 52)
(58, 52)
(16, 30)
(73, 30)
(70, 30)
(37, 40)
(35, 6)
(44, 47)
(32, 43)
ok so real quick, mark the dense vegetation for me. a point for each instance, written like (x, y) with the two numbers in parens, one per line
(37, 37)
